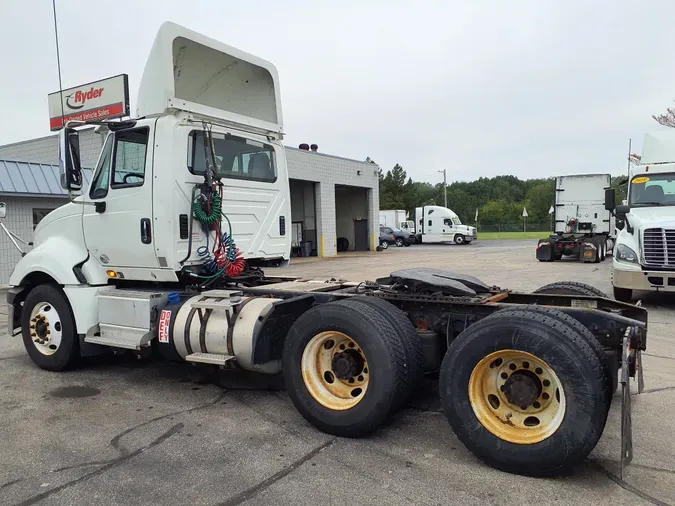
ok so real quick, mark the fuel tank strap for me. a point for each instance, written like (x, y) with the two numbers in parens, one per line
(231, 319)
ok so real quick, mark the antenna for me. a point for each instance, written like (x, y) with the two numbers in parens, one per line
(58, 64)
(629, 148)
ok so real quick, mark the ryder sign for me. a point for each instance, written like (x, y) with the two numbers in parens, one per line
(105, 99)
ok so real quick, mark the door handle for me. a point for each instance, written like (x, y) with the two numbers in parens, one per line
(146, 234)
(99, 207)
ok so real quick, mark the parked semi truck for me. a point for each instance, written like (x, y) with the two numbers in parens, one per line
(434, 224)
(164, 264)
(644, 259)
(583, 227)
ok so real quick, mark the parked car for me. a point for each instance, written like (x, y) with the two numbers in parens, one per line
(390, 235)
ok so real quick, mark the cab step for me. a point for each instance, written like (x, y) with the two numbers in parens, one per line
(209, 358)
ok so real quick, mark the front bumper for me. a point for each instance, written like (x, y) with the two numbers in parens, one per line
(632, 276)
(12, 295)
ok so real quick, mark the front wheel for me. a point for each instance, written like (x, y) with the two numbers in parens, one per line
(459, 239)
(384, 244)
(48, 329)
(524, 393)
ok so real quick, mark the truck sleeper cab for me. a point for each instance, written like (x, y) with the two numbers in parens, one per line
(434, 224)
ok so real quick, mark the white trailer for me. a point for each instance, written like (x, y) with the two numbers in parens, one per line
(396, 218)
(145, 261)
(583, 227)
(436, 224)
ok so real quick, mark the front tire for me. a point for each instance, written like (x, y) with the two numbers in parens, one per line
(524, 393)
(459, 239)
(48, 329)
(345, 368)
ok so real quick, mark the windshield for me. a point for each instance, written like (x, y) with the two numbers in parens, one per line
(652, 190)
(236, 157)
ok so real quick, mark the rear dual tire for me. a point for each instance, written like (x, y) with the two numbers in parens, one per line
(350, 391)
(554, 432)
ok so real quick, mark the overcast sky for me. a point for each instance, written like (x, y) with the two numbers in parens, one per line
(481, 87)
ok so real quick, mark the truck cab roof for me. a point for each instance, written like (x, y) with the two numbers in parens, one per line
(187, 71)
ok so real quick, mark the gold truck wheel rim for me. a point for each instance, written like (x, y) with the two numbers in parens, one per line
(335, 370)
(517, 396)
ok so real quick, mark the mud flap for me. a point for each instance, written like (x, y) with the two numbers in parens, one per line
(631, 364)
(626, 421)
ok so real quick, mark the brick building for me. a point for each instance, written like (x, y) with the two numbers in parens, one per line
(331, 197)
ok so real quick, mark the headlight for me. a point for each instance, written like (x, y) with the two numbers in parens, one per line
(625, 254)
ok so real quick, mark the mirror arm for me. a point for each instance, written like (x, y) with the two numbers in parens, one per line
(13, 237)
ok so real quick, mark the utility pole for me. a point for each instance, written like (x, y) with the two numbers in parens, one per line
(445, 187)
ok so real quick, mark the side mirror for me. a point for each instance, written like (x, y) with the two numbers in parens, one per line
(621, 211)
(610, 199)
(69, 159)
(3, 210)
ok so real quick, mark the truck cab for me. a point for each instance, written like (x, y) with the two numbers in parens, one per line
(436, 224)
(644, 257)
(198, 100)
(133, 219)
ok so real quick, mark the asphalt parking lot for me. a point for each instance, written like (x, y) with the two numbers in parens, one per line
(120, 431)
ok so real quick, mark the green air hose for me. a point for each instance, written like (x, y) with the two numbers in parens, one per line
(213, 216)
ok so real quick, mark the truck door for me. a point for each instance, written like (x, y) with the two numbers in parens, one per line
(118, 227)
(448, 226)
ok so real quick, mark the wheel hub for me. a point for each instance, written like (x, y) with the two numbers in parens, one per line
(335, 370)
(41, 327)
(45, 328)
(517, 396)
(522, 388)
(347, 364)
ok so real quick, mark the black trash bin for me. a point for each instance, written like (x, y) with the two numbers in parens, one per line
(306, 248)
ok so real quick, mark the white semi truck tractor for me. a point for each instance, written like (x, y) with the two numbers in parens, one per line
(160, 256)
(437, 224)
(644, 259)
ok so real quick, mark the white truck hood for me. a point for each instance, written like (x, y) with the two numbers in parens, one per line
(652, 217)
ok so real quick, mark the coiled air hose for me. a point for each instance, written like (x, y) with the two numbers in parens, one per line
(208, 217)
(226, 258)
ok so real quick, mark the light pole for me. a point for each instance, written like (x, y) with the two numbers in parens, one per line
(445, 187)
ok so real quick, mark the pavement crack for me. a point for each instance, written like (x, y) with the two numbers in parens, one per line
(10, 483)
(628, 487)
(654, 390)
(13, 356)
(658, 356)
(265, 484)
(109, 465)
(653, 468)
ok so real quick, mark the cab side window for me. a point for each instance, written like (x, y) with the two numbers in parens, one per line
(99, 185)
(129, 160)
